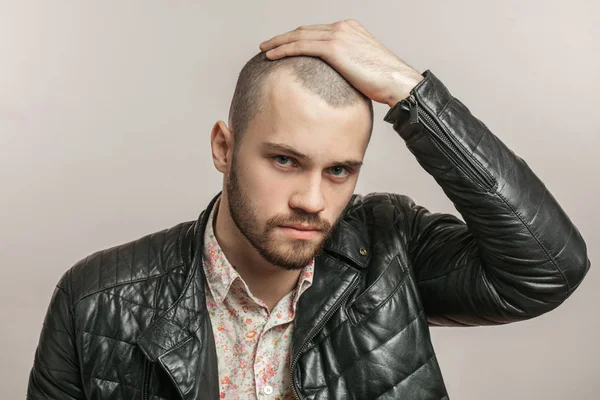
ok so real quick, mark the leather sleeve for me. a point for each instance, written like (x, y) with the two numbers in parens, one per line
(55, 373)
(517, 255)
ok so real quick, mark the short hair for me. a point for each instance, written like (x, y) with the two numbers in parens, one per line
(312, 72)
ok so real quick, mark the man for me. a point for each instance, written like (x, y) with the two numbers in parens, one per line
(289, 285)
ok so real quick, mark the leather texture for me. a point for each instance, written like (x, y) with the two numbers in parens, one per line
(130, 322)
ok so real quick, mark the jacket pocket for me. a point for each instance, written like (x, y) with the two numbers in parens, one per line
(378, 293)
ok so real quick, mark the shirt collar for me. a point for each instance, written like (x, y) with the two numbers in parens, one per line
(220, 274)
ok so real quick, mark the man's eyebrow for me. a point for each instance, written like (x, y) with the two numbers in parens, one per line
(301, 156)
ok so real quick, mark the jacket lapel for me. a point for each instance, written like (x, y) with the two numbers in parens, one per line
(181, 339)
(332, 279)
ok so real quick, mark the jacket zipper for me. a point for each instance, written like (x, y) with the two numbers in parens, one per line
(318, 329)
(453, 150)
(147, 363)
(146, 388)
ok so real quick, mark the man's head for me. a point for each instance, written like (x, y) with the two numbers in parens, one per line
(297, 135)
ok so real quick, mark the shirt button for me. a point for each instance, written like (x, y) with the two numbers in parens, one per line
(268, 389)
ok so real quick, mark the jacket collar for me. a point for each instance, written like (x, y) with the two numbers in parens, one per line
(349, 238)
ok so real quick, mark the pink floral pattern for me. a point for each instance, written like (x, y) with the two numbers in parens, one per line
(253, 345)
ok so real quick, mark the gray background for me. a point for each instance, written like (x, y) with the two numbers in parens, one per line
(106, 109)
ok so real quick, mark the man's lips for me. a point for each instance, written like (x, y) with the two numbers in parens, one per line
(302, 232)
(301, 227)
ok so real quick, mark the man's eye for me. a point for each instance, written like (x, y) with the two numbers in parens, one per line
(283, 160)
(339, 171)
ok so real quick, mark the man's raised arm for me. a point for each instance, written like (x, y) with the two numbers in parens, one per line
(518, 255)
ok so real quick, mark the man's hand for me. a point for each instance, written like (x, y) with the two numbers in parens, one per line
(349, 48)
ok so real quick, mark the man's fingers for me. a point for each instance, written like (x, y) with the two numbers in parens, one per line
(316, 48)
(296, 36)
(316, 27)
(355, 24)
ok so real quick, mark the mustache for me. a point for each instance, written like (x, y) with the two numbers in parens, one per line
(308, 219)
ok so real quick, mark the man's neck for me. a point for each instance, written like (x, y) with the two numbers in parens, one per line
(266, 281)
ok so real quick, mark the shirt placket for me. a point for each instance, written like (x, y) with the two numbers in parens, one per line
(264, 376)
(268, 385)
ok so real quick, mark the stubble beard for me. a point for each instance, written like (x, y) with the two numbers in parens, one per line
(293, 254)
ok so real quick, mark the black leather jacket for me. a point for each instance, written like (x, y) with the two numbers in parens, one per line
(130, 322)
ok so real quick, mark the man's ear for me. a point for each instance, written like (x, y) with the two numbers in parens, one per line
(221, 142)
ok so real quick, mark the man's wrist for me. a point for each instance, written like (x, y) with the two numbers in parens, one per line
(405, 82)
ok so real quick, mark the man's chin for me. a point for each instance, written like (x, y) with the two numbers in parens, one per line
(290, 253)
(292, 259)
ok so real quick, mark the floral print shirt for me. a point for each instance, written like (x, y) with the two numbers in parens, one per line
(253, 344)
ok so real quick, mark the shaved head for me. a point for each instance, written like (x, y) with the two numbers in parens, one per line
(312, 73)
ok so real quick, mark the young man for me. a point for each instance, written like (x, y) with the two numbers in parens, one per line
(289, 285)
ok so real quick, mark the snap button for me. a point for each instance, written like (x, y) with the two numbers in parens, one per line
(363, 252)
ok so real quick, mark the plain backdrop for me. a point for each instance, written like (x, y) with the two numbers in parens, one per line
(106, 109)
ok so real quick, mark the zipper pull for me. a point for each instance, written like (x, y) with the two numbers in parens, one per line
(413, 108)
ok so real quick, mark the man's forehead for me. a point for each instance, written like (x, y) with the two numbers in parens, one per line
(302, 121)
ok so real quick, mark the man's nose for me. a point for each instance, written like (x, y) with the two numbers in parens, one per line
(308, 196)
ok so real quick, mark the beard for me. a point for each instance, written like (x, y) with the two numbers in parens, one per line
(289, 253)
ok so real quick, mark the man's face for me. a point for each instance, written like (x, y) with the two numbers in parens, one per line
(295, 166)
